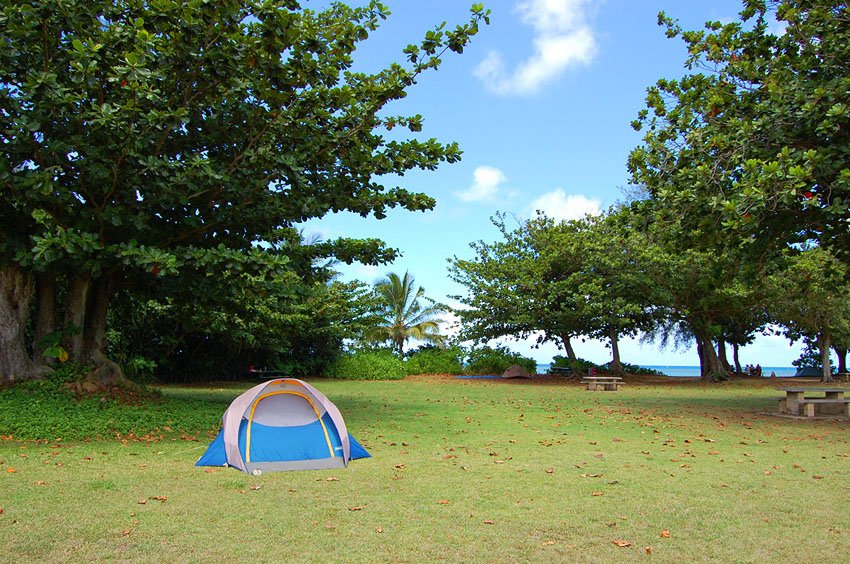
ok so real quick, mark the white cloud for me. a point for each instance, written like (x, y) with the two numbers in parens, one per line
(562, 207)
(487, 180)
(562, 39)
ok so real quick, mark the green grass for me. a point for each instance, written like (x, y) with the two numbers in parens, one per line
(450, 456)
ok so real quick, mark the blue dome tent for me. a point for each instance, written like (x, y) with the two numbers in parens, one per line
(283, 424)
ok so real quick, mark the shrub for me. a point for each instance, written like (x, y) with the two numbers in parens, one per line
(577, 365)
(580, 365)
(367, 365)
(488, 360)
(431, 360)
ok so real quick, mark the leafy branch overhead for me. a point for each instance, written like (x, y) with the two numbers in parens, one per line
(145, 140)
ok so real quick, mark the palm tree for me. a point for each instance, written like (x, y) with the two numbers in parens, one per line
(403, 315)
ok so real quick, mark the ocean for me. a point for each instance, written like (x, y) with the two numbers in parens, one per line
(693, 371)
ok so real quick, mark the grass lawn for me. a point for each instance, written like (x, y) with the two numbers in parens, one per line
(462, 470)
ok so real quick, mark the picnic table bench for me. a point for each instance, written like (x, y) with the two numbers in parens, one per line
(609, 383)
(797, 402)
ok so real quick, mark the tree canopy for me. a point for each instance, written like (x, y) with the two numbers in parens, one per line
(144, 139)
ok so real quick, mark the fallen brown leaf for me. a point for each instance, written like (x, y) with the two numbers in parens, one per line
(379, 530)
(550, 470)
(333, 479)
(255, 487)
(10, 470)
(597, 494)
(665, 534)
(158, 498)
(648, 550)
(621, 543)
(126, 532)
(488, 521)
(443, 502)
(356, 508)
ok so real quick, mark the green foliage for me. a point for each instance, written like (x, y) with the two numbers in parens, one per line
(579, 365)
(66, 372)
(181, 142)
(46, 410)
(378, 364)
(433, 360)
(557, 280)
(758, 142)
(490, 360)
(404, 312)
(140, 369)
(635, 369)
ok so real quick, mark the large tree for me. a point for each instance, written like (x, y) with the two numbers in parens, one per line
(139, 139)
(759, 140)
(810, 299)
(556, 280)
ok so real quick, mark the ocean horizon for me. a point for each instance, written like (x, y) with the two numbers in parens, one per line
(675, 371)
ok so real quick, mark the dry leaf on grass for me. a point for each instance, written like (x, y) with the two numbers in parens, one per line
(443, 502)
(255, 487)
(379, 530)
(597, 494)
(333, 479)
(10, 470)
(356, 508)
(665, 534)
(142, 501)
(622, 543)
(161, 498)
(550, 470)
(488, 521)
(648, 550)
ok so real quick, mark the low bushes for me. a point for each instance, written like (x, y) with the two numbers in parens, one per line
(488, 360)
(431, 360)
(378, 364)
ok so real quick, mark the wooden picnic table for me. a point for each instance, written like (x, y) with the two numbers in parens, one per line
(800, 401)
(608, 383)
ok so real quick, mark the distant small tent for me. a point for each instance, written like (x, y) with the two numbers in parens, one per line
(516, 371)
(284, 424)
(808, 372)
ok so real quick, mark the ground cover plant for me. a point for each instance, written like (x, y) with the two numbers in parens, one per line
(462, 470)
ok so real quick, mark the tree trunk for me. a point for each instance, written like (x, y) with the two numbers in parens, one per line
(709, 363)
(45, 318)
(842, 359)
(94, 328)
(721, 355)
(825, 345)
(616, 365)
(701, 357)
(16, 291)
(568, 346)
(75, 316)
(735, 358)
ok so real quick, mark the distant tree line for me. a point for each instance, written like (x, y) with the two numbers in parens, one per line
(743, 221)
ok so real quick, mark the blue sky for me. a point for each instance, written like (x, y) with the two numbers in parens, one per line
(541, 104)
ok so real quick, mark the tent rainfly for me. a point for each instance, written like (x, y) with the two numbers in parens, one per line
(284, 424)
